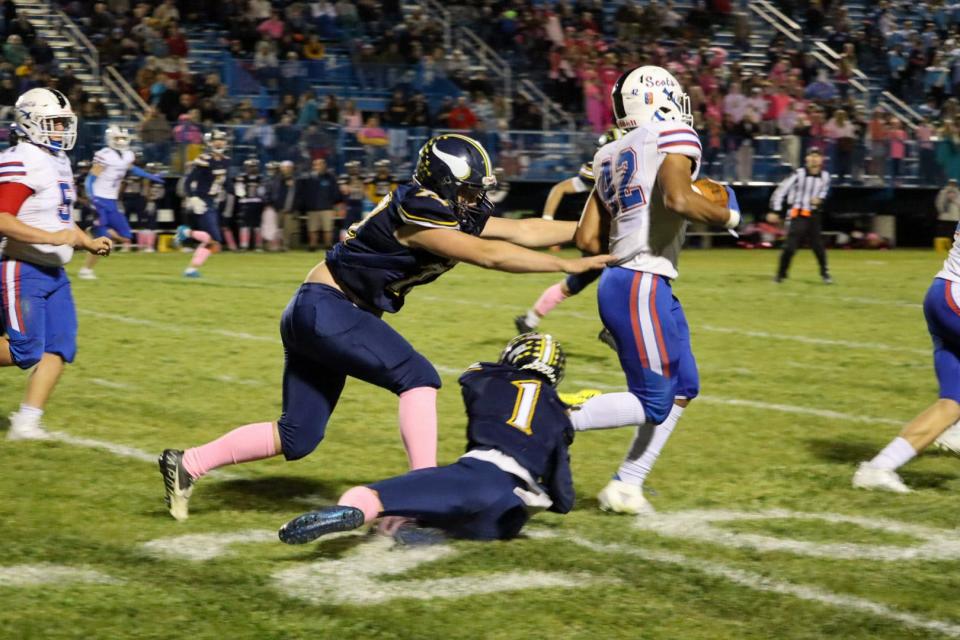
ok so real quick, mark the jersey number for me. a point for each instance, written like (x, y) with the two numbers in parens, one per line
(628, 196)
(429, 273)
(528, 391)
(64, 210)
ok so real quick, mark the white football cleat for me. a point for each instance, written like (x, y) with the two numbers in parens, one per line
(26, 429)
(949, 440)
(621, 497)
(86, 274)
(868, 477)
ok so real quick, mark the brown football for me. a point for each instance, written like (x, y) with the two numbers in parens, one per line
(712, 191)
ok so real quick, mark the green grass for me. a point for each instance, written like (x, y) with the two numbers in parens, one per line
(168, 362)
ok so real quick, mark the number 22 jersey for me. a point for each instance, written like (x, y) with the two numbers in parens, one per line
(373, 267)
(49, 208)
(644, 234)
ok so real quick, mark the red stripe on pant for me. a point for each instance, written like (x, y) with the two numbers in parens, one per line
(635, 319)
(948, 290)
(658, 331)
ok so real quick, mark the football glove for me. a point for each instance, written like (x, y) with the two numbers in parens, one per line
(196, 205)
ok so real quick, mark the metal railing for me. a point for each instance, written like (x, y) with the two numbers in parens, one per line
(85, 48)
(134, 105)
(437, 10)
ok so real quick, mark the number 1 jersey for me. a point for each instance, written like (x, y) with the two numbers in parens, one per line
(644, 234)
(50, 207)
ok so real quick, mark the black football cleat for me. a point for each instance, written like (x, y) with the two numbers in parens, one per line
(176, 482)
(520, 322)
(315, 524)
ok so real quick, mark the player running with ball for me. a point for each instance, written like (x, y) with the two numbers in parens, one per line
(36, 202)
(333, 327)
(640, 206)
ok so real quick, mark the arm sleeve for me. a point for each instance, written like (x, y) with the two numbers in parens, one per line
(426, 209)
(12, 195)
(776, 200)
(826, 185)
(88, 185)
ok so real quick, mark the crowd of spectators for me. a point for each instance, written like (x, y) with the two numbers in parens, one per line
(574, 49)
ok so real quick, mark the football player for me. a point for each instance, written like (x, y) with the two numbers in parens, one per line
(353, 188)
(155, 191)
(333, 328)
(248, 192)
(36, 198)
(516, 462)
(938, 423)
(110, 165)
(203, 187)
(573, 284)
(640, 207)
(381, 182)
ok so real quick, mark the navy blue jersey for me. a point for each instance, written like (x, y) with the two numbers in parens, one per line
(519, 413)
(207, 176)
(374, 268)
(248, 189)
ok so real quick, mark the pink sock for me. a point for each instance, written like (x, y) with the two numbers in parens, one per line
(418, 426)
(365, 499)
(199, 257)
(228, 236)
(245, 237)
(549, 299)
(243, 444)
(257, 238)
(201, 236)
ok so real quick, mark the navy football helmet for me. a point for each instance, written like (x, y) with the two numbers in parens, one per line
(458, 169)
(539, 353)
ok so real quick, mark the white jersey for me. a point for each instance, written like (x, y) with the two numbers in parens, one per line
(49, 208)
(113, 167)
(644, 234)
(951, 266)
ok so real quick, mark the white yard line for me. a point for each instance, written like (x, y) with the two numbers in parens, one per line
(109, 384)
(49, 575)
(847, 344)
(760, 582)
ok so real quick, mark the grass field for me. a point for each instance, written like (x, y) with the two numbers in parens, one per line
(800, 381)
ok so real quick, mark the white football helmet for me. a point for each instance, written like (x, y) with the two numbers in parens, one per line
(117, 138)
(649, 94)
(37, 114)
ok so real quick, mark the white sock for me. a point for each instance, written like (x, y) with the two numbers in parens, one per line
(894, 455)
(608, 411)
(30, 414)
(645, 450)
(532, 319)
(190, 270)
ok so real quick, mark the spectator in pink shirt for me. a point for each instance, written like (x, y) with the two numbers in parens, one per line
(927, 152)
(595, 101)
(273, 26)
(898, 147)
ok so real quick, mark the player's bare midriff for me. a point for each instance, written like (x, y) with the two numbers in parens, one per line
(321, 274)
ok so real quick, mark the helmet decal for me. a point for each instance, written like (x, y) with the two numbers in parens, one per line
(459, 167)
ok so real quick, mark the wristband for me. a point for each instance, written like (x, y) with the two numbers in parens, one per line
(734, 220)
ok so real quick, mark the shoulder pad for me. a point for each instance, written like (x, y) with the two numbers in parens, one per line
(202, 160)
(676, 137)
(425, 208)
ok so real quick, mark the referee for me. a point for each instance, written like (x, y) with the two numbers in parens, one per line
(803, 193)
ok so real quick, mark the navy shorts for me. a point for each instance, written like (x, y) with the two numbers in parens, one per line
(249, 215)
(469, 498)
(941, 308)
(108, 216)
(325, 339)
(652, 336)
(208, 221)
(38, 312)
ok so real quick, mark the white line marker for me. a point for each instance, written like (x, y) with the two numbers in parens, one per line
(942, 545)
(763, 583)
(124, 451)
(109, 384)
(201, 547)
(847, 344)
(247, 382)
(353, 579)
(31, 575)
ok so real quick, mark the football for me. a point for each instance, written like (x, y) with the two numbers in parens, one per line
(712, 191)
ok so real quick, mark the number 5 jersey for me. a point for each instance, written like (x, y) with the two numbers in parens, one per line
(49, 208)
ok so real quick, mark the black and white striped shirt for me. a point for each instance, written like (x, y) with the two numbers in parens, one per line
(799, 190)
